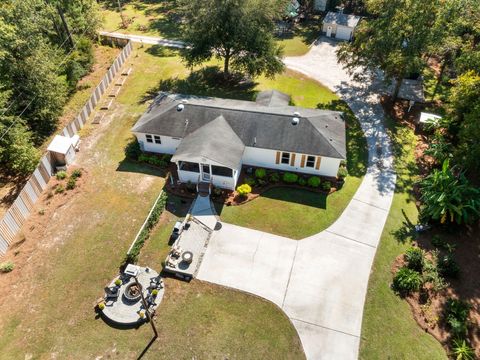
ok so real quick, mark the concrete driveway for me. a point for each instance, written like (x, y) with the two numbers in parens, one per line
(320, 282)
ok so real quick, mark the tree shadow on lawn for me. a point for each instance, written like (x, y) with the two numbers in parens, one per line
(357, 149)
(168, 20)
(208, 81)
(161, 51)
(127, 165)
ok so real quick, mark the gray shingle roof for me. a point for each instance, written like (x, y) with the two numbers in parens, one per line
(341, 19)
(272, 98)
(268, 127)
(206, 141)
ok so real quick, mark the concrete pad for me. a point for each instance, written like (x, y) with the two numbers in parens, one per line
(203, 211)
(326, 344)
(360, 222)
(249, 260)
(328, 282)
(376, 189)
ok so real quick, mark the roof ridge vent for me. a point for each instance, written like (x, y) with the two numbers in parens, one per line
(295, 120)
(180, 107)
(296, 113)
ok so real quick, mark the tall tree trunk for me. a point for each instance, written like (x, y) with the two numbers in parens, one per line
(226, 64)
(65, 26)
(396, 90)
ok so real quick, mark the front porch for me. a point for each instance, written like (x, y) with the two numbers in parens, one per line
(207, 172)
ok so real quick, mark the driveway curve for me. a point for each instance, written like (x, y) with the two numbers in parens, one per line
(320, 282)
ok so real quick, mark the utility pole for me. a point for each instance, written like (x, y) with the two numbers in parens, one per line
(65, 25)
(147, 313)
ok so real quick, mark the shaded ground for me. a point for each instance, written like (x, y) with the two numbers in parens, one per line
(298, 41)
(104, 56)
(71, 251)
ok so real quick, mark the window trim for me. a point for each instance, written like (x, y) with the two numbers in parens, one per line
(149, 138)
(282, 158)
(313, 161)
(157, 137)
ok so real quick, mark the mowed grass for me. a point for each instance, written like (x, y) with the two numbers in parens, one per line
(389, 330)
(90, 237)
(297, 213)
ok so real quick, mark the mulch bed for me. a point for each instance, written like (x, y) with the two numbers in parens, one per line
(428, 306)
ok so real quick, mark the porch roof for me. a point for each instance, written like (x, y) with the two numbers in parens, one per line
(223, 146)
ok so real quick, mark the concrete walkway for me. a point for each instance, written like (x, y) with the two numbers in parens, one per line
(204, 211)
(320, 282)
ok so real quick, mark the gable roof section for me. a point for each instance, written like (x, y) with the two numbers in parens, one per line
(341, 19)
(272, 98)
(256, 125)
(215, 141)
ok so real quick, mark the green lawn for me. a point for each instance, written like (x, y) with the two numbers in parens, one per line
(51, 314)
(389, 330)
(299, 213)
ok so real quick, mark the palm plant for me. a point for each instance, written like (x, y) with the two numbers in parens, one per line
(449, 197)
(461, 350)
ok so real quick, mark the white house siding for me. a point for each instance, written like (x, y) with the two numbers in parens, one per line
(266, 158)
(168, 146)
(326, 25)
(343, 32)
(320, 5)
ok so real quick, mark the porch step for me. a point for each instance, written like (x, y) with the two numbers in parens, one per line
(203, 188)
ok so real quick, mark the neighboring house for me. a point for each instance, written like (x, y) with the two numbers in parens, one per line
(320, 5)
(212, 138)
(339, 25)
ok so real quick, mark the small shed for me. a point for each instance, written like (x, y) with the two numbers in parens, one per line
(62, 150)
(339, 25)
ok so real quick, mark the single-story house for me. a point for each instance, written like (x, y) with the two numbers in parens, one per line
(339, 25)
(320, 5)
(212, 138)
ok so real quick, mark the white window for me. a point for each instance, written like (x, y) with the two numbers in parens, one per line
(157, 139)
(310, 161)
(149, 138)
(285, 158)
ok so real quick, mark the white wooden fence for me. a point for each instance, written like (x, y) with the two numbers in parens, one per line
(21, 208)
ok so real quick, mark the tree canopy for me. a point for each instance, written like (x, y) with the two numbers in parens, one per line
(45, 48)
(240, 32)
(394, 39)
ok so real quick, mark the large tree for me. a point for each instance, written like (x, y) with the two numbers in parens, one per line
(240, 32)
(394, 39)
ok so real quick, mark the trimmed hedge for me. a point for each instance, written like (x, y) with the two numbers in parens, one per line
(290, 178)
(152, 220)
(244, 190)
(314, 181)
(260, 173)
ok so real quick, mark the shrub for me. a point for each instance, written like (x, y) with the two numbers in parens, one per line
(326, 185)
(274, 177)
(262, 182)
(456, 315)
(302, 181)
(250, 181)
(314, 181)
(132, 150)
(342, 172)
(260, 173)
(71, 183)
(244, 189)
(462, 351)
(59, 189)
(76, 173)
(431, 274)
(439, 242)
(61, 175)
(414, 257)
(343, 163)
(447, 266)
(6, 267)
(290, 178)
(406, 281)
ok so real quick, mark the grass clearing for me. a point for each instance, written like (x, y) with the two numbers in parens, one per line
(389, 330)
(64, 263)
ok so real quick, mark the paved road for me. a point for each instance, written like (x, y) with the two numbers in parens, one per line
(145, 39)
(320, 282)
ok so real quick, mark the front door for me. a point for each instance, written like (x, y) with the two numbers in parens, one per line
(205, 172)
(329, 31)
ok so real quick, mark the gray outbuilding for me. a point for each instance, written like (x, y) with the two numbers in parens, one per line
(340, 26)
